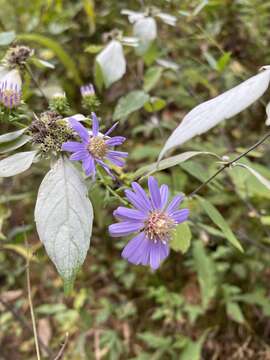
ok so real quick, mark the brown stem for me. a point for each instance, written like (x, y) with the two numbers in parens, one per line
(61, 351)
(230, 163)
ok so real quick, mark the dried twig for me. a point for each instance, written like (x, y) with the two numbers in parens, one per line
(31, 305)
(61, 351)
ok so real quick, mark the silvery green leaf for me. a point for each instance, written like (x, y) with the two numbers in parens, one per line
(11, 136)
(42, 63)
(7, 37)
(64, 218)
(167, 18)
(169, 162)
(259, 177)
(267, 110)
(208, 114)
(145, 30)
(130, 41)
(168, 64)
(16, 164)
(133, 16)
(112, 62)
(14, 144)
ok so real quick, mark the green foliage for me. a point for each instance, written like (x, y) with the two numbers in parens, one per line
(130, 103)
(218, 219)
(208, 300)
(181, 239)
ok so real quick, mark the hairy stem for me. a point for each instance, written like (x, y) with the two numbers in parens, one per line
(230, 163)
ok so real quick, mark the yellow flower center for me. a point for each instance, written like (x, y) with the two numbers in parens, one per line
(159, 226)
(97, 147)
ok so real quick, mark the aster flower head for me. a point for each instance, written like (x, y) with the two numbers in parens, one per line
(95, 147)
(11, 89)
(89, 99)
(153, 219)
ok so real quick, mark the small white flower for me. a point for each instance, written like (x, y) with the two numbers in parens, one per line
(11, 89)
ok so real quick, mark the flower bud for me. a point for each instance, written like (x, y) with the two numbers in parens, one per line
(59, 103)
(89, 99)
(11, 89)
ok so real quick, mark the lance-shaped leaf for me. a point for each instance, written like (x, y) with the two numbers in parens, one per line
(16, 164)
(64, 218)
(208, 114)
(112, 62)
(145, 30)
(261, 178)
(13, 140)
(170, 162)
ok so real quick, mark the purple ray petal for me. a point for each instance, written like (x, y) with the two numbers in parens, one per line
(118, 153)
(95, 124)
(174, 204)
(115, 160)
(79, 155)
(158, 252)
(164, 194)
(105, 167)
(80, 129)
(73, 146)
(125, 228)
(89, 166)
(111, 129)
(116, 140)
(132, 246)
(154, 192)
(127, 214)
(180, 215)
(145, 258)
(141, 194)
(142, 252)
(136, 201)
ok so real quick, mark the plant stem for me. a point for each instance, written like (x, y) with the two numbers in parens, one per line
(31, 306)
(61, 352)
(111, 190)
(230, 163)
(27, 67)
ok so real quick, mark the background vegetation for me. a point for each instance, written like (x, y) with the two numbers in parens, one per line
(211, 302)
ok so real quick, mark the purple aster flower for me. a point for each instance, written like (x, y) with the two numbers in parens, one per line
(153, 219)
(95, 147)
(87, 90)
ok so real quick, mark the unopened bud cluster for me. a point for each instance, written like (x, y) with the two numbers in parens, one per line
(59, 103)
(50, 131)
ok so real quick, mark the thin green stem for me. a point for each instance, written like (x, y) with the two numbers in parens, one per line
(230, 163)
(114, 193)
